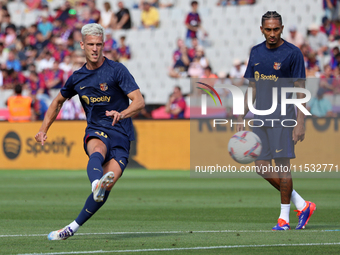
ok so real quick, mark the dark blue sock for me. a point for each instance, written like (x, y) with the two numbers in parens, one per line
(90, 208)
(94, 167)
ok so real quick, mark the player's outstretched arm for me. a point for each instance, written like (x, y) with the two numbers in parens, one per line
(49, 118)
(240, 118)
(299, 129)
(136, 105)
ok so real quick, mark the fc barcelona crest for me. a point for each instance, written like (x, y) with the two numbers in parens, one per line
(103, 86)
(277, 66)
(257, 75)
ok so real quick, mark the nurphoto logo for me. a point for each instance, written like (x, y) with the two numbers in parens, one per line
(238, 103)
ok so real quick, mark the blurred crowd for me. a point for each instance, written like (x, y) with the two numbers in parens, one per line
(41, 56)
(235, 2)
(189, 59)
(320, 48)
(319, 45)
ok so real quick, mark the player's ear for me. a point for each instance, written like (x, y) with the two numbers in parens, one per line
(261, 28)
(81, 45)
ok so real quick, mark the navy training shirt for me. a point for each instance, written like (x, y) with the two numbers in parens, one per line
(279, 67)
(100, 90)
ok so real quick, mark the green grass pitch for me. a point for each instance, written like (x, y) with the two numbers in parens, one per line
(163, 212)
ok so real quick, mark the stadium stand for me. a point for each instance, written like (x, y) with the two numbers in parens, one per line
(232, 30)
(228, 42)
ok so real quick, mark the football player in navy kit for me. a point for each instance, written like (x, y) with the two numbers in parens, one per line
(104, 88)
(277, 63)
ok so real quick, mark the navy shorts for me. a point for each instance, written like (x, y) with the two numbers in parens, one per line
(117, 144)
(277, 142)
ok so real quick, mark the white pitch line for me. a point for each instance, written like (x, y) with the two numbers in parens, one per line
(23, 235)
(165, 232)
(182, 249)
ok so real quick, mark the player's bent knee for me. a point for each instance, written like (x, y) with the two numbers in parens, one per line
(100, 149)
(96, 145)
(113, 166)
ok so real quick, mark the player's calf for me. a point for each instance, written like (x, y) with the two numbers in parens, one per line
(102, 185)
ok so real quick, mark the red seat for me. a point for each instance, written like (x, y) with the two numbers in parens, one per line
(4, 114)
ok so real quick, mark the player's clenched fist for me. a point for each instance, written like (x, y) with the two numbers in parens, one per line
(41, 137)
(116, 116)
(298, 133)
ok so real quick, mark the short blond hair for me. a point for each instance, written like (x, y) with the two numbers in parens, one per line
(92, 29)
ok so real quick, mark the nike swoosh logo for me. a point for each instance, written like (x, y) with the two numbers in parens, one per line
(88, 211)
(277, 151)
(96, 169)
(257, 64)
(120, 161)
(82, 87)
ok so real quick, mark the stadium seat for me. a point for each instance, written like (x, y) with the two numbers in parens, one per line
(164, 13)
(54, 4)
(18, 9)
(205, 3)
(329, 97)
(131, 37)
(4, 95)
(218, 11)
(136, 17)
(208, 23)
(183, 5)
(185, 85)
(315, 7)
(312, 84)
(173, 35)
(247, 11)
(286, 10)
(4, 114)
(259, 9)
(177, 14)
(300, 7)
(336, 101)
(30, 18)
(205, 13)
(233, 30)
